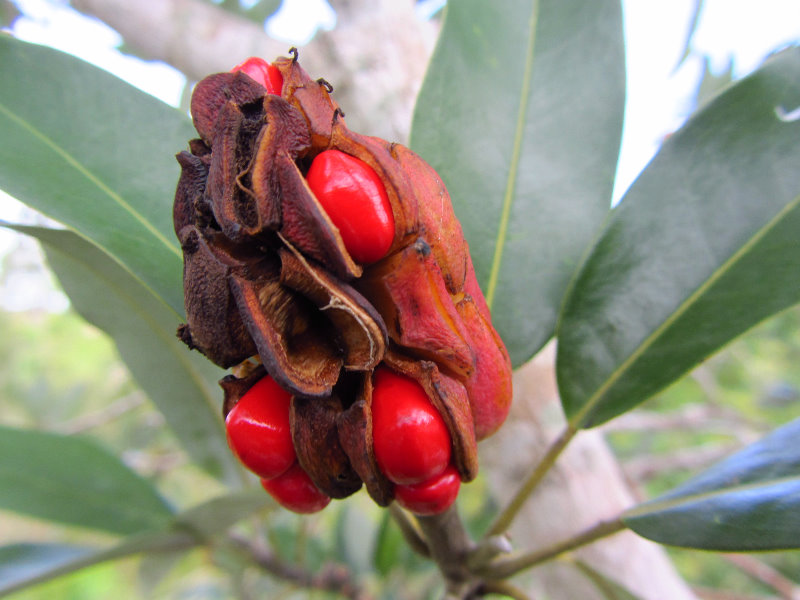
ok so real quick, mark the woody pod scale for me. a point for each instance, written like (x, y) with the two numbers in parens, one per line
(332, 264)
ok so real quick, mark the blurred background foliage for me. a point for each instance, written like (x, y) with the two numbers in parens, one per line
(59, 374)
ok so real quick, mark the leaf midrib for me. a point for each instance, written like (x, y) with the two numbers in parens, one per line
(578, 419)
(511, 181)
(91, 177)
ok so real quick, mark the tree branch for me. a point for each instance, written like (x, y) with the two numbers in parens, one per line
(333, 578)
(375, 57)
(512, 564)
(506, 516)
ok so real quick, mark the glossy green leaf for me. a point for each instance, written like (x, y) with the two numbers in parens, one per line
(75, 481)
(521, 115)
(24, 565)
(703, 246)
(182, 384)
(95, 153)
(750, 501)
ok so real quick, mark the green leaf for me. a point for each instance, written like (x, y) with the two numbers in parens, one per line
(95, 153)
(389, 545)
(750, 501)
(521, 115)
(181, 383)
(24, 565)
(74, 481)
(704, 246)
(218, 514)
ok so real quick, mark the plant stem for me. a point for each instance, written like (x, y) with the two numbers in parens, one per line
(410, 530)
(503, 588)
(449, 546)
(510, 565)
(507, 515)
(333, 578)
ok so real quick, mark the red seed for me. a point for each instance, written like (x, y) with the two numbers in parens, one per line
(258, 429)
(355, 199)
(410, 438)
(295, 491)
(262, 72)
(430, 497)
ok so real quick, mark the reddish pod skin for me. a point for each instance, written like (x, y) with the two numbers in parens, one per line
(355, 199)
(410, 438)
(258, 429)
(295, 491)
(262, 72)
(430, 497)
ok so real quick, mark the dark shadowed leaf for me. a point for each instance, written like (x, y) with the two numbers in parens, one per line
(521, 115)
(95, 153)
(704, 246)
(181, 383)
(750, 501)
(75, 481)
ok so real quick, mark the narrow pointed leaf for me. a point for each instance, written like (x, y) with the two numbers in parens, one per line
(750, 501)
(25, 565)
(521, 115)
(218, 514)
(704, 246)
(72, 480)
(182, 384)
(95, 153)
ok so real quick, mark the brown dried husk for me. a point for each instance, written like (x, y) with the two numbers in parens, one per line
(267, 275)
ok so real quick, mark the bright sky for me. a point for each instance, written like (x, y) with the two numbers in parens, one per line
(737, 32)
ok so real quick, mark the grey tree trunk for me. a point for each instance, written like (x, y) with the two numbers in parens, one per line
(585, 486)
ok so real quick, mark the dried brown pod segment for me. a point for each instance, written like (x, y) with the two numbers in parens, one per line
(361, 330)
(450, 398)
(355, 436)
(307, 226)
(190, 191)
(312, 98)
(235, 210)
(316, 441)
(408, 290)
(295, 343)
(489, 386)
(437, 220)
(213, 92)
(214, 325)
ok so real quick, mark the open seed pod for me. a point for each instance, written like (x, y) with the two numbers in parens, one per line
(271, 286)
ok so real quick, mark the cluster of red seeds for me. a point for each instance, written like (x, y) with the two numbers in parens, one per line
(412, 444)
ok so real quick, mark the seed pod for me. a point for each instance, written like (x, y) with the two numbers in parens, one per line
(268, 277)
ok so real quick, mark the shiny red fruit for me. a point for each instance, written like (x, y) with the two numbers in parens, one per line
(356, 201)
(258, 429)
(263, 72)
(410, 438)
(295, 491)
(430, 497)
